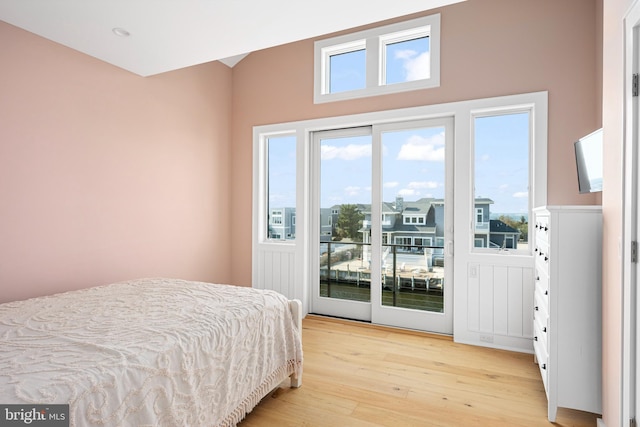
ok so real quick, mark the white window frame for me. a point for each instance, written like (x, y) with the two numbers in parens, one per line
(374, 41)
(537, 161)
(261, 165)
(464, 225)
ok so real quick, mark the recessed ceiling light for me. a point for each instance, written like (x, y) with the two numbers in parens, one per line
(120, 32)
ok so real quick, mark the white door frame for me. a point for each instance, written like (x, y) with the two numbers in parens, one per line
(299, 274)
(630, 401)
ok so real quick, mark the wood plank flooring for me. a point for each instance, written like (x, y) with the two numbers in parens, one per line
(357, 374)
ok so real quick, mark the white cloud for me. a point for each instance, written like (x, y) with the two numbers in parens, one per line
(405, 54)
(421, 148)
(406, 192)
(392, 184)
(521, 194)
(423, 184)
(416, 66)
(350, 152)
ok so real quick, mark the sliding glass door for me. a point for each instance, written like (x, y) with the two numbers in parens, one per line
(414, 182)
(383, 223)
(343, 285)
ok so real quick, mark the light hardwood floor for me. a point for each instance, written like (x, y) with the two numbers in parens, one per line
(357, 374)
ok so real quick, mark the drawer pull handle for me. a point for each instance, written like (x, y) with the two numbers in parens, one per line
(535, 338)
(546, 258)
(536, 250)
(546, 292)
(546, 228)
(536, 308)
(544, 329)
(544, 366)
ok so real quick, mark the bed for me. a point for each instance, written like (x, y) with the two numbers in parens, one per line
(150, 352)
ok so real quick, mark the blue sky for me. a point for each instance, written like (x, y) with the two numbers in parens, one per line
(501, 161)
(413, 165)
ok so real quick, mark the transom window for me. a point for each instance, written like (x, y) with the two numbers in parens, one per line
(388, 59)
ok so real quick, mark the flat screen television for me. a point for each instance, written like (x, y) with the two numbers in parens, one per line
(589, 162)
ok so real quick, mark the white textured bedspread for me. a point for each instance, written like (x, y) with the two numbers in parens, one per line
(151, 352)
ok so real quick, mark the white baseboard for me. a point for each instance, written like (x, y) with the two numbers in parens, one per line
(600, 423)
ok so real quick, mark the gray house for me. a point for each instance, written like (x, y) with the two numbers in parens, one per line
(419, 224)
(412, 226)
(503, 236)
(282, 223)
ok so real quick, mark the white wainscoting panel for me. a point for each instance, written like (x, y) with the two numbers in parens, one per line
(499, 306)
(276, 270)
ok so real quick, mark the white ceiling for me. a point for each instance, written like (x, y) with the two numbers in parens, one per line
(170, 34)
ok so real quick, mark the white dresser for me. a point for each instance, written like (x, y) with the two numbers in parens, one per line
(567, 319)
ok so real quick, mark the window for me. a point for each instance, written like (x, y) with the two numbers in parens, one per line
(276, 219)
(346, 67)
(281, 184)
(502, 146)
(413, 219)
(426, 241)
(406, 56)
(393, 58)
(509, 242)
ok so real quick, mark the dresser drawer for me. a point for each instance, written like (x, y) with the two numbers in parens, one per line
(540, 330)
(542, 357)
(542, 256)
(542, 229)
(542, 281)
(540, 304)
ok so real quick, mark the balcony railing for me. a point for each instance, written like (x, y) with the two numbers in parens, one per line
(385, 223)
(412, 276)
(482, 227)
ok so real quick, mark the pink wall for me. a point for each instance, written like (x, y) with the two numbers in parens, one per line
(106, 176)
(612, 118)
(489, 48)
